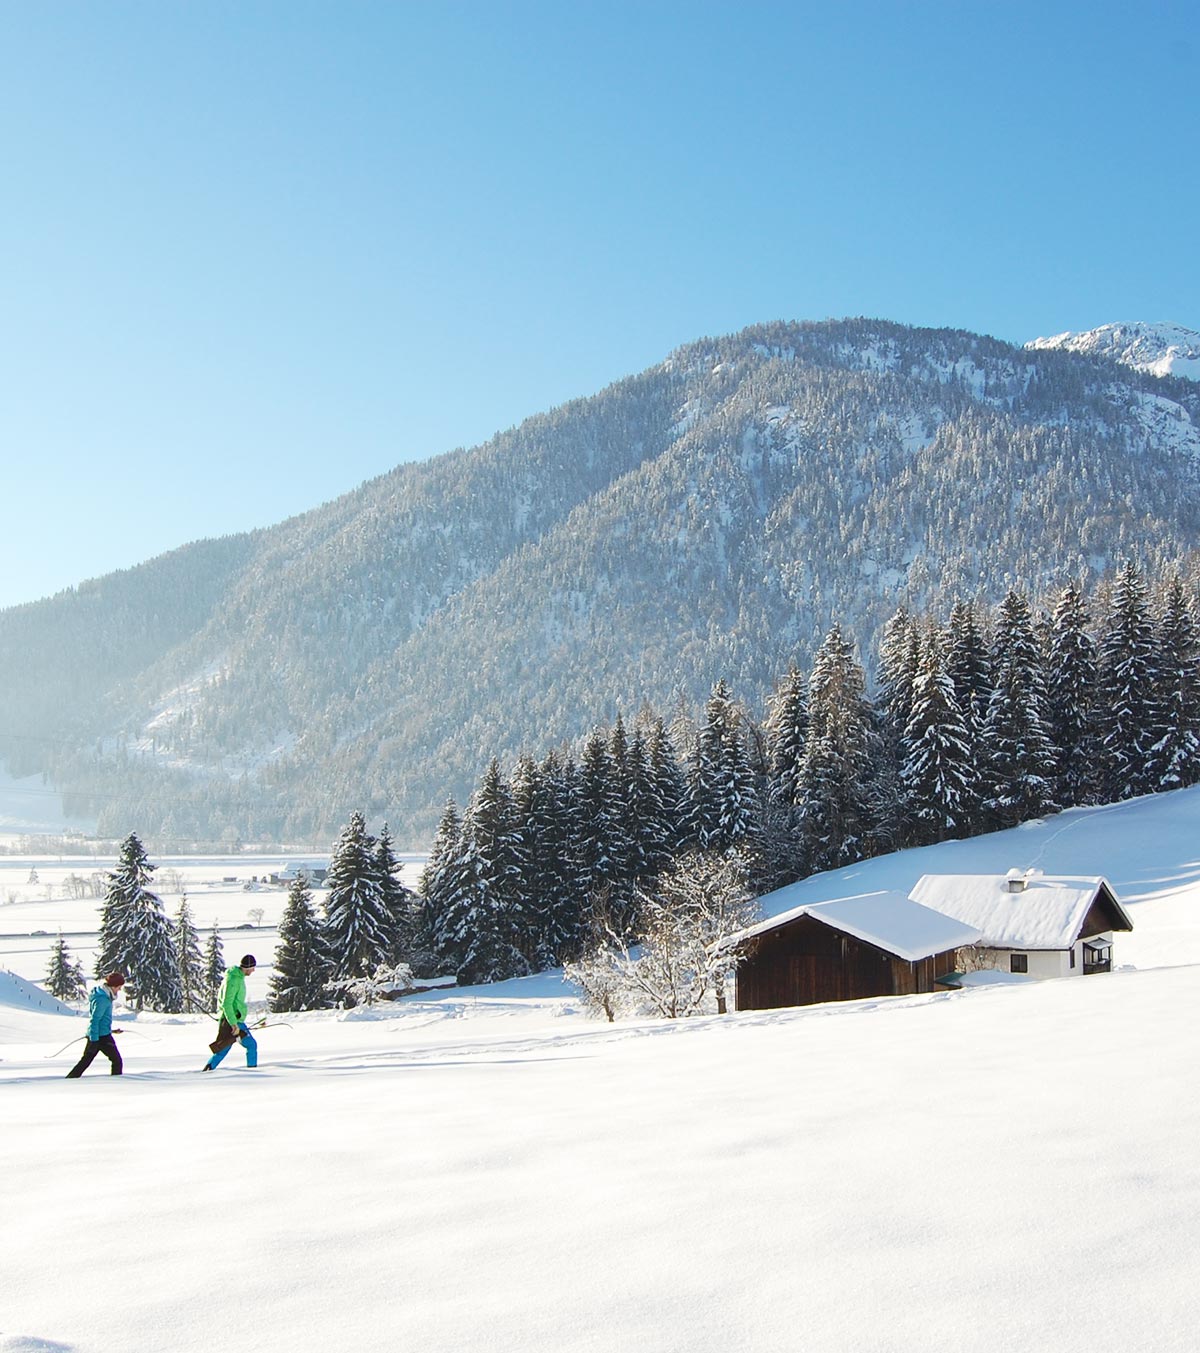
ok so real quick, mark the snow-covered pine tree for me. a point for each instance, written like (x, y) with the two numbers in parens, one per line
(901, 645)
(598, 820)
(935, 757)
(64, 977)
(670, 789)
(214, 968)
(621, 845)
(1130, 681)
(1071, 691)
(190, 960)
(895, 674)
(787, 728)
(302, 966)
(358, 928)
(834, 796)
(724, 812)
(644, 813)
(439, 890)
(135, 935)
(558, 918)
(528, 832)
(399, 902)
(497, 924)
(1020, 755)
(1177, 755)
(968, 665)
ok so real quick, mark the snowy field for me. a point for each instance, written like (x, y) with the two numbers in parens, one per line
(43, 894)
(488, 1171)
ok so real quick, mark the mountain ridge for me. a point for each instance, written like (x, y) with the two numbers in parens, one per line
(1161, 349)
(710, 516)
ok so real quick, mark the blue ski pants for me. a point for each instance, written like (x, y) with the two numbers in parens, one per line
(247, 1042)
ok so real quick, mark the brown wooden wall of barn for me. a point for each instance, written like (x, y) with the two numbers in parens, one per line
(806, 962)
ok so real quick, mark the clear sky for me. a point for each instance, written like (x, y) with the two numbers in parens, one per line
(253, 252)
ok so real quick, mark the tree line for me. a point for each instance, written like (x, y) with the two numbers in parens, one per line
(975, 722)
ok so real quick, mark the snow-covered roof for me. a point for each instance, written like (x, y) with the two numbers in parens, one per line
(1046, 913)
(888, 920)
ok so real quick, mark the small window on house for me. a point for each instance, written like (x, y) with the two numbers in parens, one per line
(1072, 956)
(1018, 962)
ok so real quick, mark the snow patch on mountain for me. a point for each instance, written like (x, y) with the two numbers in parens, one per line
(1167, 424)
(1161, 349)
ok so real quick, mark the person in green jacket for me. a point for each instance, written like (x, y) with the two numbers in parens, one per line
(232, 1006)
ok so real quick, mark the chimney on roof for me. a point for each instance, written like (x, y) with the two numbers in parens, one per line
(1015, 880)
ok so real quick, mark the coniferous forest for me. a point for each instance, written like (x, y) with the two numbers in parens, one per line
(977, 720)
(980, 719)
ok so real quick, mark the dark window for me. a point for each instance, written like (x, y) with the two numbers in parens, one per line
(1019, 963)
(1072, 956)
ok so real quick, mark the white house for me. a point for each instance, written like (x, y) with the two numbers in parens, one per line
(1033, 923)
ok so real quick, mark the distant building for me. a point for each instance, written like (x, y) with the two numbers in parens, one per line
(314, 873)
(889, 944)
(1040, 925)
(874, 944)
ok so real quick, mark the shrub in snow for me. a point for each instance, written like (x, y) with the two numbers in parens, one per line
(386, 981)
(685, 949)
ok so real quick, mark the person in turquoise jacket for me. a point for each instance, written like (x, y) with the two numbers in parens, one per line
(232, 1006)
(100, 1027)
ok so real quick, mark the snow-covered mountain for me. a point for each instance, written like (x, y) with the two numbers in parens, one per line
(708, 518)
(1161, 349)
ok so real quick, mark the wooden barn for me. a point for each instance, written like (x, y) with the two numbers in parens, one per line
(874, 944)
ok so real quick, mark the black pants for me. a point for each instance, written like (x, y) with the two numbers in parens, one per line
(108, 1046)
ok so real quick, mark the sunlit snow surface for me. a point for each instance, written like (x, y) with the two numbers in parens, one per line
(489, 1171)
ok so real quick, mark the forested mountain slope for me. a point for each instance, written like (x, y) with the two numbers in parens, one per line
(710, 517)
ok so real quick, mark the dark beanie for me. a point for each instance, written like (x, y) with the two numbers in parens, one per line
(248, 961)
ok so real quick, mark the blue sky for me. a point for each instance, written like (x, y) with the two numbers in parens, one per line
(252, 254)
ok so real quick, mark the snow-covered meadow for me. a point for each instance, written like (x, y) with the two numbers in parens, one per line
(487, 1170)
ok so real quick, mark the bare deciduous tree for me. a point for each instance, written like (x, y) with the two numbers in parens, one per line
(685, 948)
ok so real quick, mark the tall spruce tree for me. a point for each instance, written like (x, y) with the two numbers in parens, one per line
(895, 675)
(597, 847)
(358, 928)
(1071, 691)
(1133, 723)
(1020, 755)
(497, 927)
(621, 845)
(192, 984)
(557, 906)
(529, 853)
(786, 728)
(399, 902)
(968, 664)
(935, 752)
(723, 793)
(135, 935)
(1177, 753)
(441, 885)
(302, 966)
(670, 790)
(834, 784)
